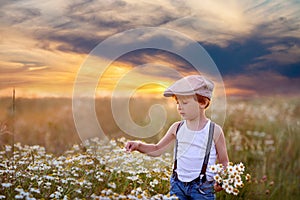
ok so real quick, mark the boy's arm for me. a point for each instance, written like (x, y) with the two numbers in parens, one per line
(154, 149)
(221, 148)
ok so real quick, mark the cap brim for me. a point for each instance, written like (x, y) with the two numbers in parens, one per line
(171, 93)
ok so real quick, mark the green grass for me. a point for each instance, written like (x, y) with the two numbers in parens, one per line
(264, 134)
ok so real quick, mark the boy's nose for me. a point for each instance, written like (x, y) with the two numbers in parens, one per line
(179, 107)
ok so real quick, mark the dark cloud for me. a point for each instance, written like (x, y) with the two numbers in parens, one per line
(4, 3)
(75, 43)
(291, 71)
(119, 15)
(86, 23)
(263, 84)
(234, 58)
(255, 54)
(19, 15)
(139, 58)
(278, 26)
(259, 64)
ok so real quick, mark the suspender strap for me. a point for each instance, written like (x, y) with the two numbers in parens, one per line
(208, 147)
(176, 145)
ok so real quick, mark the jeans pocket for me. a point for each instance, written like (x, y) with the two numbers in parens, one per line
(206, 188)
(172, 183)
(172, 180)
(174, 188)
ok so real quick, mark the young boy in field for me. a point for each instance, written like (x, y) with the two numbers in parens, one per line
(192, 94)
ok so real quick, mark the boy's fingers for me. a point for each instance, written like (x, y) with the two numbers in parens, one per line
(131, 146)
(128, 146)
(218, 187)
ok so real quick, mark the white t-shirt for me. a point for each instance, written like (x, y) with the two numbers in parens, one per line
(191, 152)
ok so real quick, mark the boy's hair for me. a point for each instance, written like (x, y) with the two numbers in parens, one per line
(200, 99)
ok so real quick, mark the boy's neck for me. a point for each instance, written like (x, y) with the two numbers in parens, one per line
(197, 123)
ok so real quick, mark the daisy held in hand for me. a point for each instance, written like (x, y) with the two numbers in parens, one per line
(230, 178)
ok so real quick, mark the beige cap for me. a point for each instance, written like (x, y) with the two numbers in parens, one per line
(190, 85)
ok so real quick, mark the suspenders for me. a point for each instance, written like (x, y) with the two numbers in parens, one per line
(202, 175)
(176, 146)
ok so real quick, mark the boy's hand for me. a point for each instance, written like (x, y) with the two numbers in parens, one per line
(132, 146)
(217, 187)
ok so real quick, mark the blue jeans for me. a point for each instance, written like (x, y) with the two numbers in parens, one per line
(192, 190)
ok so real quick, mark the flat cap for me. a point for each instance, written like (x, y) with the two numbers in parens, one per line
(191, 85)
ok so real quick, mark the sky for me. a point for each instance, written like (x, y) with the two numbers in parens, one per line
(254, 44)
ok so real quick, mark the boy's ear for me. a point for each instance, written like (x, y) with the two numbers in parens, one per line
(202, 101)
(204, 104)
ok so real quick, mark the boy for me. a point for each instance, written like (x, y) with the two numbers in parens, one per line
(192, 94)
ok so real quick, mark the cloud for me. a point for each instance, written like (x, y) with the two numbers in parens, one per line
(222, 22)
(74, 42)
(255, 54)
(12, 15)
(208, 21)
(41, 38)
(280, 54)
(213, 22)
(81, 25)
(262, 84)
(156, 57)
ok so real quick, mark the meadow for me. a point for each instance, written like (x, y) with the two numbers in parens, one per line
(41, 155)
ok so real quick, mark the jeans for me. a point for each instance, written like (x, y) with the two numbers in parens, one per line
(192, 190)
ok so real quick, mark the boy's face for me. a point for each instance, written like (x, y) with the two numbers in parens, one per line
(187, 107)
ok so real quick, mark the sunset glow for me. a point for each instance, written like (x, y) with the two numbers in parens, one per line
(44, 44)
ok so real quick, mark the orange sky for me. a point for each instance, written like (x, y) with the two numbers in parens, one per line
(44, 44)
